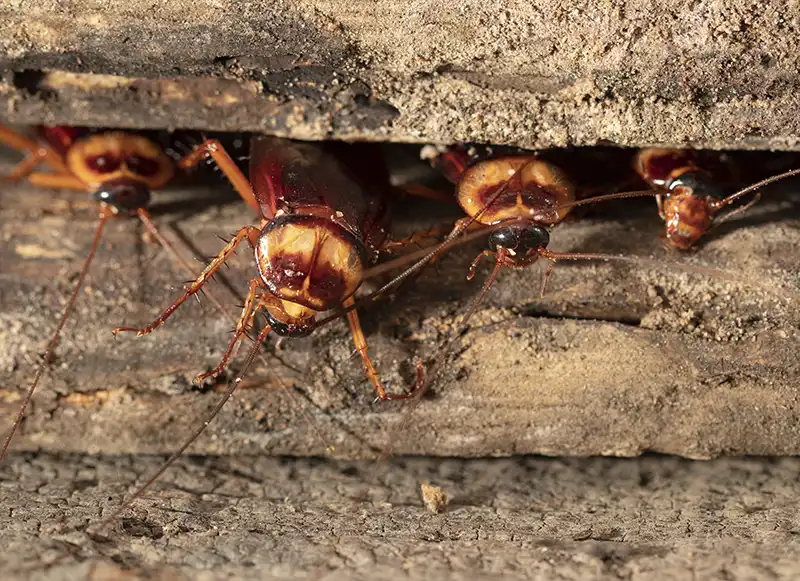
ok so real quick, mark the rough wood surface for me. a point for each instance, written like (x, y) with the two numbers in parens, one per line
(717, 73)
(519, 518)
(617, 359)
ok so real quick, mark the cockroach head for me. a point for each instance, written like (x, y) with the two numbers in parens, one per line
(123, 195)
(521, 237)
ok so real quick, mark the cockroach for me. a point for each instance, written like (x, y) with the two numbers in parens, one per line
(522, 197)
(320, 231)
(688, 196)
(119, 170)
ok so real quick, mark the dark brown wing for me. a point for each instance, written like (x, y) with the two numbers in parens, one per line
(301, 178)
(61, 137)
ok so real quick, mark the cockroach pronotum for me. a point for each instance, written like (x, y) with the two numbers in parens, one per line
(688, 197)
(119, 170)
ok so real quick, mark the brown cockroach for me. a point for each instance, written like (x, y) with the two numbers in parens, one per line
(688, 197)
(319, 232)
(119, 170)
(521, 197)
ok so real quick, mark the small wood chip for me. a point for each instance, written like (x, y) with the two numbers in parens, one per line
(434, 497)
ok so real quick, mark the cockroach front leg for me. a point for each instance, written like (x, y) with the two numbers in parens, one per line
(250, 233)
(37, 153)
(735, 212)
(499, 256)
(550, 265)
(241, 329)
(474, 266)
(63, 181)
(215, 149)
(660, 205)
(361, 346)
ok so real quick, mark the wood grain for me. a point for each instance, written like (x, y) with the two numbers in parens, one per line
(718, 74)
(617, 359)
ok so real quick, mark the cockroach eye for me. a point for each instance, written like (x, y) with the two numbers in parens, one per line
(520, 238)
(123, 194)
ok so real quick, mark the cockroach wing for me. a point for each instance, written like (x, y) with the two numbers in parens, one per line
(61, 137)
(301, 178)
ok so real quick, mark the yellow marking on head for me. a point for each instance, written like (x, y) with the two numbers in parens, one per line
(296, 311)
(118, 146)
(329, 264)
(528, 181)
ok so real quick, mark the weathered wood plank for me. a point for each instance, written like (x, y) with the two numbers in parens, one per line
(519, 518)
(617, 359)
(721, 74)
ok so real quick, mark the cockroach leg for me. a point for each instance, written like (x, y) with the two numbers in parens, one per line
(550, 265)
(474, 266)
(215, 149)
(151, 228)
(241, 329)
(735, 212)
(25, 167)
(36, 151)
(660, 204)
(249, 233)
(361, 346)
(503, 257)
(436, 231)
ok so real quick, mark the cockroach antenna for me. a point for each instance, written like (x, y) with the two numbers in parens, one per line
(95, 530)
(51, 344)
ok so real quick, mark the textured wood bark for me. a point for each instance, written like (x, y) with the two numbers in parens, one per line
(721, 74)
(617, 359)
(520, 518)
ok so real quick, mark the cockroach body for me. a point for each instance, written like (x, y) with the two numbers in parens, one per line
(688, 197)
(523, 196)
(118, 170)
(319, 232)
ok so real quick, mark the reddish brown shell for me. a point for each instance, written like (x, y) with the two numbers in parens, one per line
(451, 163)
(301, 178)
(310, 261)
(532, 189)
(104, 157)
(61, 137)
(687, 218)
(659, 166)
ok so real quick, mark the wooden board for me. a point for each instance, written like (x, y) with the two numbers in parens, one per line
(718, 74)
(617, 359)
(518, 518)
